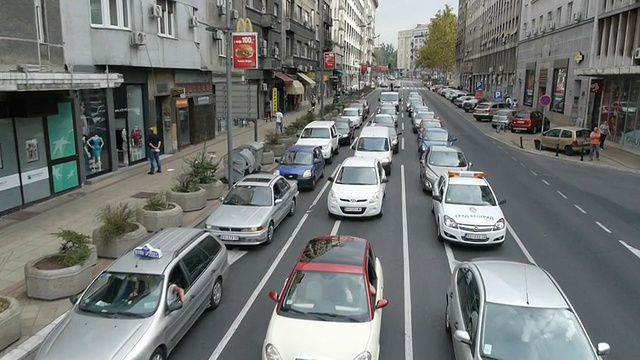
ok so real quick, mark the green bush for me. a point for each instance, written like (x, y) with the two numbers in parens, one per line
(272, 138)
(202, 167)
(116, 220)
(187, 183)
(74, 249)
(158, 202)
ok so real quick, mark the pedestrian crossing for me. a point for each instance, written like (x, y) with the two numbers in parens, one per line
(414, 88)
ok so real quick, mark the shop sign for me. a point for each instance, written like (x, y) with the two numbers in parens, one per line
(178, 91)
(330, 61)
(33, 176)
(325, 77)
(244, 46)
(578, 58)
(9, 182)
(202, 100)
(196, 88)
(596, 86)
(364, 68)
(182, 103)
(274, 100)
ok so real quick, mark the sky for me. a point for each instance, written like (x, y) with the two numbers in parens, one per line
(395, 15)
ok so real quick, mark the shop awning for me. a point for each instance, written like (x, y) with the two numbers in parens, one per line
(339, 72)
(295, 88)
(47, 81)
(287, 80)
(306, 80)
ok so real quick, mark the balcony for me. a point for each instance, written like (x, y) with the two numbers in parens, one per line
(287, 61)
(269, 63)
(328, 19)
(270, 21)
(299, 28)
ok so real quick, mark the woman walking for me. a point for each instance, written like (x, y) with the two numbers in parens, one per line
(604, 131)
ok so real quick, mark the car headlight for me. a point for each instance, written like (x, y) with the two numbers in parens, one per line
(499, 225)
(375, 197)
(306, 174)
(363, 356)
(253, 229)
(325, 147)
(276, 172)
(431, 175)
(449, 222)
(271, 352)
(394, 142)
(332, 196)
(209, 227)
(385, 161)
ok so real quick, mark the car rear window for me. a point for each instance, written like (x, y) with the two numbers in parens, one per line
(523, 115)
(484, 106)
(583, 134)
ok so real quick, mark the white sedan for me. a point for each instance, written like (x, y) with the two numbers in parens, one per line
(358, 188)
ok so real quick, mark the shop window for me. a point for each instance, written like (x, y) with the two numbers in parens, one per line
(529, 82)
(111, 13)
(559, 89)
(129, 131)
(95, 132)
(62, 149)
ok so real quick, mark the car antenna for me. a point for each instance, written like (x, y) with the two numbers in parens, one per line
(526, 286)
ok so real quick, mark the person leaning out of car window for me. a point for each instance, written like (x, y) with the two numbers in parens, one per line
(175, 293)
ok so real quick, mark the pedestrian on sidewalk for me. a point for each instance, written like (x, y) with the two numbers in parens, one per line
(279, 121)
(313, 103)
(154, 151)
(595, 144)
(267, 110)
(514, 106)
(604, 131)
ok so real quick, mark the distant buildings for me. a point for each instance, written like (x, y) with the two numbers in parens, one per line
(409, 44)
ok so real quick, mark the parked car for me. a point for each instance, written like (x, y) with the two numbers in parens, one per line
(252, 209)
(437, 161)
(485, 110)
(358, 188)
(503, 117)
(530, 121)
(500, 309)
(303, 164)
(346, 133)
(461, 99)
(469, 105)
(570, 139)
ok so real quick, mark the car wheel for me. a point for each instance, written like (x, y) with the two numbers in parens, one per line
(438, 230)
(330, 159)
(513, 130)
(158, 354)
(534, 130)
(292, 209)
(322, 173)
(337, 150)
(568, 150)
(381, 212)
(270, 233)
(313, 182)
(216, 295)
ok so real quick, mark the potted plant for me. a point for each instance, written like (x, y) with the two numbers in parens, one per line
(10, 329)
(158, 213)
(62, 274)
(203, 170)
(119, 231)
(188, 194)
(272, 142)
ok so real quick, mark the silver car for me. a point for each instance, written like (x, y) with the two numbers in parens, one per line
(132, 310)
(394, 135)
(388, 110)
(252, 209)
(384, 119)
(354, 115)
(498, 309)
(437, 161)
(503, 117)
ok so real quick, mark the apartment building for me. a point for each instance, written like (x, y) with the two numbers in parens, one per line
(488, 49)
(554, 42)
(409, 44)
(418, 41)
(353, 26)
(369, 38)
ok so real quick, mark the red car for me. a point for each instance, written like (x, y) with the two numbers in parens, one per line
(530, 121)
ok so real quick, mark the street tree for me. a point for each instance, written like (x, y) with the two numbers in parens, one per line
(439, 51)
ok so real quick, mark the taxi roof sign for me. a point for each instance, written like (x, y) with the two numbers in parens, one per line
(147, 251)
(467, 174)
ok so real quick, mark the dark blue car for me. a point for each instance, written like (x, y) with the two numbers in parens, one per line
(434, 136)
(302, 163)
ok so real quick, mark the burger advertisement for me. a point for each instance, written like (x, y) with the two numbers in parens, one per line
(245, 50)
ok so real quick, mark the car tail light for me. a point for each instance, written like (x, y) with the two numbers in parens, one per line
(574, 143)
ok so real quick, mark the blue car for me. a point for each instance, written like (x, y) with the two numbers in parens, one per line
(302, 163)
(434, 136)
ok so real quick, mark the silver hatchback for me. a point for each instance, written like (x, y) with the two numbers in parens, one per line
(437, 161)
(131, 310)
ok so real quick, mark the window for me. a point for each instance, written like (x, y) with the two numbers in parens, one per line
(299, 13)
(297, 49)
(569, 12)
(41, 24)
(566, 134)
(166, 23)
(110, 13)
(211, 247)
(559, 16)
(222, 46)
(305, 53)
(276, 10)
(529, 80)
(559, 81)
(196, 261)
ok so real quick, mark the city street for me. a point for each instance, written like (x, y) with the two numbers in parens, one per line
(571, 219)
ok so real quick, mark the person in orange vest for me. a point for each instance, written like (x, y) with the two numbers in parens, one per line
(595, 144)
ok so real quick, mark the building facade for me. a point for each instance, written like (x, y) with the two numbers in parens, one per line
(418, 41)
(369, 39)
(487, 52)
(554, 42)
(404, 50)
(613, 71)
(353, 26)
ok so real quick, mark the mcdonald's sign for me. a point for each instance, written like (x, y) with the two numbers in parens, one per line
(245, 46)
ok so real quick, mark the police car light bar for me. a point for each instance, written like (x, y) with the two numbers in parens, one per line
(468, 174)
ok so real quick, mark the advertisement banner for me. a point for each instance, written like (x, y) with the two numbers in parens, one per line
(245, 50)
(274, 101)
(375, 68)
(363, 68)
(330, 61)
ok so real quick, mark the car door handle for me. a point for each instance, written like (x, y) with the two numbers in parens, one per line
(455, 325)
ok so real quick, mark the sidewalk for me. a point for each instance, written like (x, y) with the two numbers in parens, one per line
(26, 235)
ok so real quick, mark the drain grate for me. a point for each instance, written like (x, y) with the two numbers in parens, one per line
(22, 215)
(144, 195)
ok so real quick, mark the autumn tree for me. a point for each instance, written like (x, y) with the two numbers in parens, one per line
(439, 51)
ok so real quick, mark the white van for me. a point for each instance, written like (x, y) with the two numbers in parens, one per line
(323, 134)
(374, 142)
(389, 98)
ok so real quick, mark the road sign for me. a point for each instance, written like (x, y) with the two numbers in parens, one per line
(545, 100)
(478, 86)
(440, 79)
(498, 96)
(479, 94)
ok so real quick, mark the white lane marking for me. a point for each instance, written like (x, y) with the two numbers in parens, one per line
(499, 147)
(521, 164)
(561, 194)
(408, 331)
(521, 245)
(546, 182)
(533, 172)
(402, 115)
(402, 126)
(315, 201)
(633, 250)
(235, 255)
(336, 227)
(402, 145)
(579, 209)
(603, 227)
(514, 158)
(494, 142)
(450, 258)
(245, 309)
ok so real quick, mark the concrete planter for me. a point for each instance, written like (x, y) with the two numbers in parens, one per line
(156, 220)
(58, 283)
(10, 329)
(189, 201)
(268, 157)
(288, 142)
(277, 149)
(115, 248)
(93, 256)
(214, 190)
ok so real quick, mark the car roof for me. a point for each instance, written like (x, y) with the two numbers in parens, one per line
(301, 148)
(338, 253)
(442, 130)
(259, 179)
(442, 148)
(318, 123)
(360, 161)
(352, 108)
(372, 131)
(389, 92)
(171, 241)
(519, 284)
(572, 128)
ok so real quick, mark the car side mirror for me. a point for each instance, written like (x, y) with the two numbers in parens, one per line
(462, 336)
(330, 179)
(436, 197)
(400, 133)
(502, 202)
(470, 164)
(378, 99)
(73, 298)
(277, 160)
(297, 135)
(384, 180)
(221, 199)
(454, 139)
(603, 348)
(174, 306)
(382, 303)
(274, 296)
(353, 147)
(278, 201)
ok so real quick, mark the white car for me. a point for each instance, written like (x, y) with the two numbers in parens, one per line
(466, 209)
(354, 115)
(358, 188)
(323, 134)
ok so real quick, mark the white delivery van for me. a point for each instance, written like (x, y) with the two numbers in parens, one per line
(374, 142)
(323, 134)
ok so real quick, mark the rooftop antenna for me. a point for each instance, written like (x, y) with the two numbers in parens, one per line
(526, 286)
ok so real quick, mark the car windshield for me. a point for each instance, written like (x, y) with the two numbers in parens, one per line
(123, 295)
(245, 195)
(316, 133)
(477, 195)
(431, 124)
(351, 175)
(435, 136)
(389, 97)
(421, 109)
(324, 296)
(383, 120)
(389, 111)
(350, 112)
(297, 158)
(523, 115)
(373, 144)
(342, 126)
(513, 332)
(447, 159)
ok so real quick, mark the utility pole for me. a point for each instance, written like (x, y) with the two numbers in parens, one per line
(229, 44)
(321, 51)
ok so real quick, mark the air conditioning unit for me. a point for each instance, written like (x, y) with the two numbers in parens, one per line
(155, 11)
(310, 67)
(310, 43)
(218, 35)
(490, 69)
(636, 54)
(235, 15)
(222, 9)
(276, 53)
(138, 38)
(264, 43)
(500, 68)
(193, 22)
(552, 26)
(265, 87)
(577, 16)
(263, 51)
(300, 67)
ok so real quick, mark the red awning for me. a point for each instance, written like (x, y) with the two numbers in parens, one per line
(284, 78)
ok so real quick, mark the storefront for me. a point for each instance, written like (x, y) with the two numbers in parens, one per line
(96, 132)
(619, 101)
(309, 86)
(282, 80)
(196, 113)
(129, 132)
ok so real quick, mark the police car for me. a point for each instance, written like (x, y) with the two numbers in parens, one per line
(466, 210)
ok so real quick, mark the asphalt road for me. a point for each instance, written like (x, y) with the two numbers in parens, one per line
(595, 270)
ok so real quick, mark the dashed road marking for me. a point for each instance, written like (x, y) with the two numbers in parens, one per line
(579, 209)
(561, 194)
(546, 182)
(514, 158)
(523, 165)
(603, 227)
(533, 172)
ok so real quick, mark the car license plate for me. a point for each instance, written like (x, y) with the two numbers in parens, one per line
(352, 209)
(475, 236)
(229, 237)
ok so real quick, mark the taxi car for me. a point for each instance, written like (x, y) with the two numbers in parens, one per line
(358, 188)
(438, 161)
(336, 289)
(304, 164)
(129, 311)
(252, 209)
(466, 210)
(498, 309)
